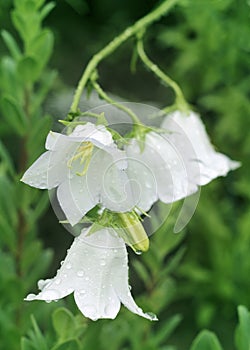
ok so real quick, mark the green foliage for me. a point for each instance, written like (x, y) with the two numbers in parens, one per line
(23, 88)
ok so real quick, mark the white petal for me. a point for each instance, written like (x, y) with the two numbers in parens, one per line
(97, 134)
(158, 171)
(189, 136)
(75, 198)
(96, 270)
(142, 177)
(110, 181)
(56, 141)
(47, 171)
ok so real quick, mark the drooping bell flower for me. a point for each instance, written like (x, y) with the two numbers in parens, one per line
(86, 167)
(96, 271)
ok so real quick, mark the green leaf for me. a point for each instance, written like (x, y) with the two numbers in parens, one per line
(167, 329)
(37, 338)
(46, 10)
(10, 82)
(11, 44)
(28, 69)
(206, 340)
(13, 114)
(242, 333)
(26, 344)
(41, 47)
(64, 324)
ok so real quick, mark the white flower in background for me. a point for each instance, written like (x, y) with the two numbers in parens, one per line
(96, 271)
(171, 166)
(188, 135)
(87, 167)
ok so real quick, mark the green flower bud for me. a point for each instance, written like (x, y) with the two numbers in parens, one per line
(130, 229)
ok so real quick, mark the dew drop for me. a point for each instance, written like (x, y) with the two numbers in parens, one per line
(152, 316)
(58, 281)
(68, 266)
(30, 297)
(51, 294)
(82, 292)
(102, 262)
(62, 262)
(110, 310)
(80, 273)
(87, 278)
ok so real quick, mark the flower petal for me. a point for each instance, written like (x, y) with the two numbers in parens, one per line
(47, 171)
(110, 181)
(96, 270)
(189, 136)
(75, 198)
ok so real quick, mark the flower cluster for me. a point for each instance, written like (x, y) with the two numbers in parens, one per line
(90, 172)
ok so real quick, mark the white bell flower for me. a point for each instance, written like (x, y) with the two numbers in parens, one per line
(87, 167)
(171, 166)
(189, 136)
(96, 271)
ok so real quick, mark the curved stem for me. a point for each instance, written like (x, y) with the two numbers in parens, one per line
(180, 99)
(108, 99)
(113, 45)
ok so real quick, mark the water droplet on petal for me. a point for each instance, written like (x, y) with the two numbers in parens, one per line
(30, 296)
(110, 310)
(58, 281)
(68, 266)
(80, 273)
(87, 278)
(152, 316)
(82, 292)
(102, 262)
(62, 262)
(51, 294)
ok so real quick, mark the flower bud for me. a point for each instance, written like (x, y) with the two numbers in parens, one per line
(132, 232)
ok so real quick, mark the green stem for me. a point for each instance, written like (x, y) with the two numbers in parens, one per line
(108, 99)
(180, 99)
(113, 45)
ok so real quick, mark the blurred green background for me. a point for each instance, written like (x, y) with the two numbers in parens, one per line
(193, 280)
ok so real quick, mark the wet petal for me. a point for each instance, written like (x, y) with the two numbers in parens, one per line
(75, 198)
(96, 270)
(47, 171)
(105, 176)
(188, 134)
